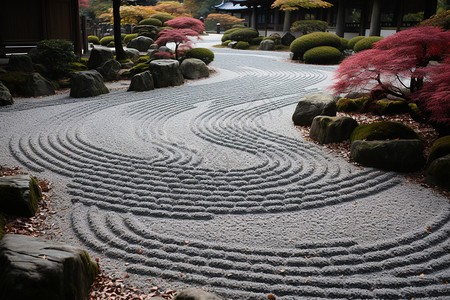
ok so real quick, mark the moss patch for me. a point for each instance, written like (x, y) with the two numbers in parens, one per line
(440, 148)
(351, 105)
(391, 107)
(383, 131)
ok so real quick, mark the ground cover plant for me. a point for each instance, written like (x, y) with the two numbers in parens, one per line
(401, 66)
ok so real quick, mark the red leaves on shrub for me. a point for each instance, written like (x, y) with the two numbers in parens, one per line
(177, 36)
(186, 23)
(400, 65)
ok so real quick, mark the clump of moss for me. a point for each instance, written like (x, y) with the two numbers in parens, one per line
(92, 268)
(255, 41)
(143, 59)
(351, 105)
(139, 68)
(76, 67)
(391, 107)
(385, 130)
(225, 43)
(129, 37)
(440, 148)
(242, 45)
(106, 40)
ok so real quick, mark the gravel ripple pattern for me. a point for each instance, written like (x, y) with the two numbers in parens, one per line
(210, 185)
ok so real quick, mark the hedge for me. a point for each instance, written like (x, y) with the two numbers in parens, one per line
(322, 55)
(302, 44)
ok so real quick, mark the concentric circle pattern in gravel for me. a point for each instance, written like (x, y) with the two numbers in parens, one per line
(209, 184)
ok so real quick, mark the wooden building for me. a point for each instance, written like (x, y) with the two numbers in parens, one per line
(363, 17)
(23, 23)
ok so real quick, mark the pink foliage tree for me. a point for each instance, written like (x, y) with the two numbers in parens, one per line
(400, 65)
(83, 3)
(180, 36)
(186, 23)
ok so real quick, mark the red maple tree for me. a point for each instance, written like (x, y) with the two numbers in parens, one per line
(400, 65)
(186, 23)
(177, 36)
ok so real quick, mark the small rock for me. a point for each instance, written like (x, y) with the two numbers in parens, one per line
(21, 63)
(287, 39)
(5, 96)
(110, 69)
(98, 57)
(194, 68)
(438, 173)
(325, 129)
(87, 84)
(132, 54)
(36, 86)
(267, 45)
(19, 195)
(166, 72)
(142, 82)
(232, 44)
(195, 294)
(321, 104)
(141, 43)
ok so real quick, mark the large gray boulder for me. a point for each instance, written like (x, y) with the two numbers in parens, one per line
(40, 269)
(166, 72)
(391, 155)
(438, 173)
(141, 43)
(110, 70)
(132, 54)
(267, 45)
(194, 68)
(195, 294)
(5, 95)
(321, 104)
(21, 63)
(87, 84)
(98, 57)
(36, 86)
(325, 129)
(19, 195)
(142, 82)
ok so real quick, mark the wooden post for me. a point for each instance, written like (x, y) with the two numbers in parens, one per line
(340, 21)
(287, 21)
(375, 25)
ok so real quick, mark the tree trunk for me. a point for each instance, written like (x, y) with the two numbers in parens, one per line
(120, 53)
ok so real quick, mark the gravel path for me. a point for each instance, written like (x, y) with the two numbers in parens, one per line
(209, 184)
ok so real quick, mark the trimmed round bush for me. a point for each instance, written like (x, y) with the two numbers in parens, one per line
(93, 39)
(54, 55)
(242, 45)
(366, 43)
(106, 40)
(206, 55)
(240, 34)
(257, 40)
(129, 37)
(111, 44)
(344, 44)
(385, 130)
(322, 55)
(308, 26)
(354, 40)
(151, 21)
(351, 105)
(238, 26)
(440, 148)
(302, 44)
(162, 17)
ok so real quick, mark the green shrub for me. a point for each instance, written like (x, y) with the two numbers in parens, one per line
(309, 26)
(111, 44)
(240, 34)
(257, 40)
(344, 44)
(302, 44)
(129, 37)
(322, 55)
(146, 30)
(151, 21)
(366, 43)
(354, 40)
(385, 130)
(54, 55)
(440, 148)
(391, 107)
(201, 53)
(351, 105)
(226, 43)
(84, 61)
(76, 67)
(106, 40)
(275, 37)
(242, 45)
(162, 17)
(238, 26)
(279, 47)
(93, 39)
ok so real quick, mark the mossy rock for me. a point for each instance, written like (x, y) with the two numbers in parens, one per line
(416, 114)
(143, 59)
(15, 81)
(366, 43)
(438, 173)
(440, 148)
(322, 55)
(385, 130)
(76, 67)
(351, 105)
(129, 37)
(139, 68)
(19, 195)
(302, 44)
(391, 107)
(354, 40)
